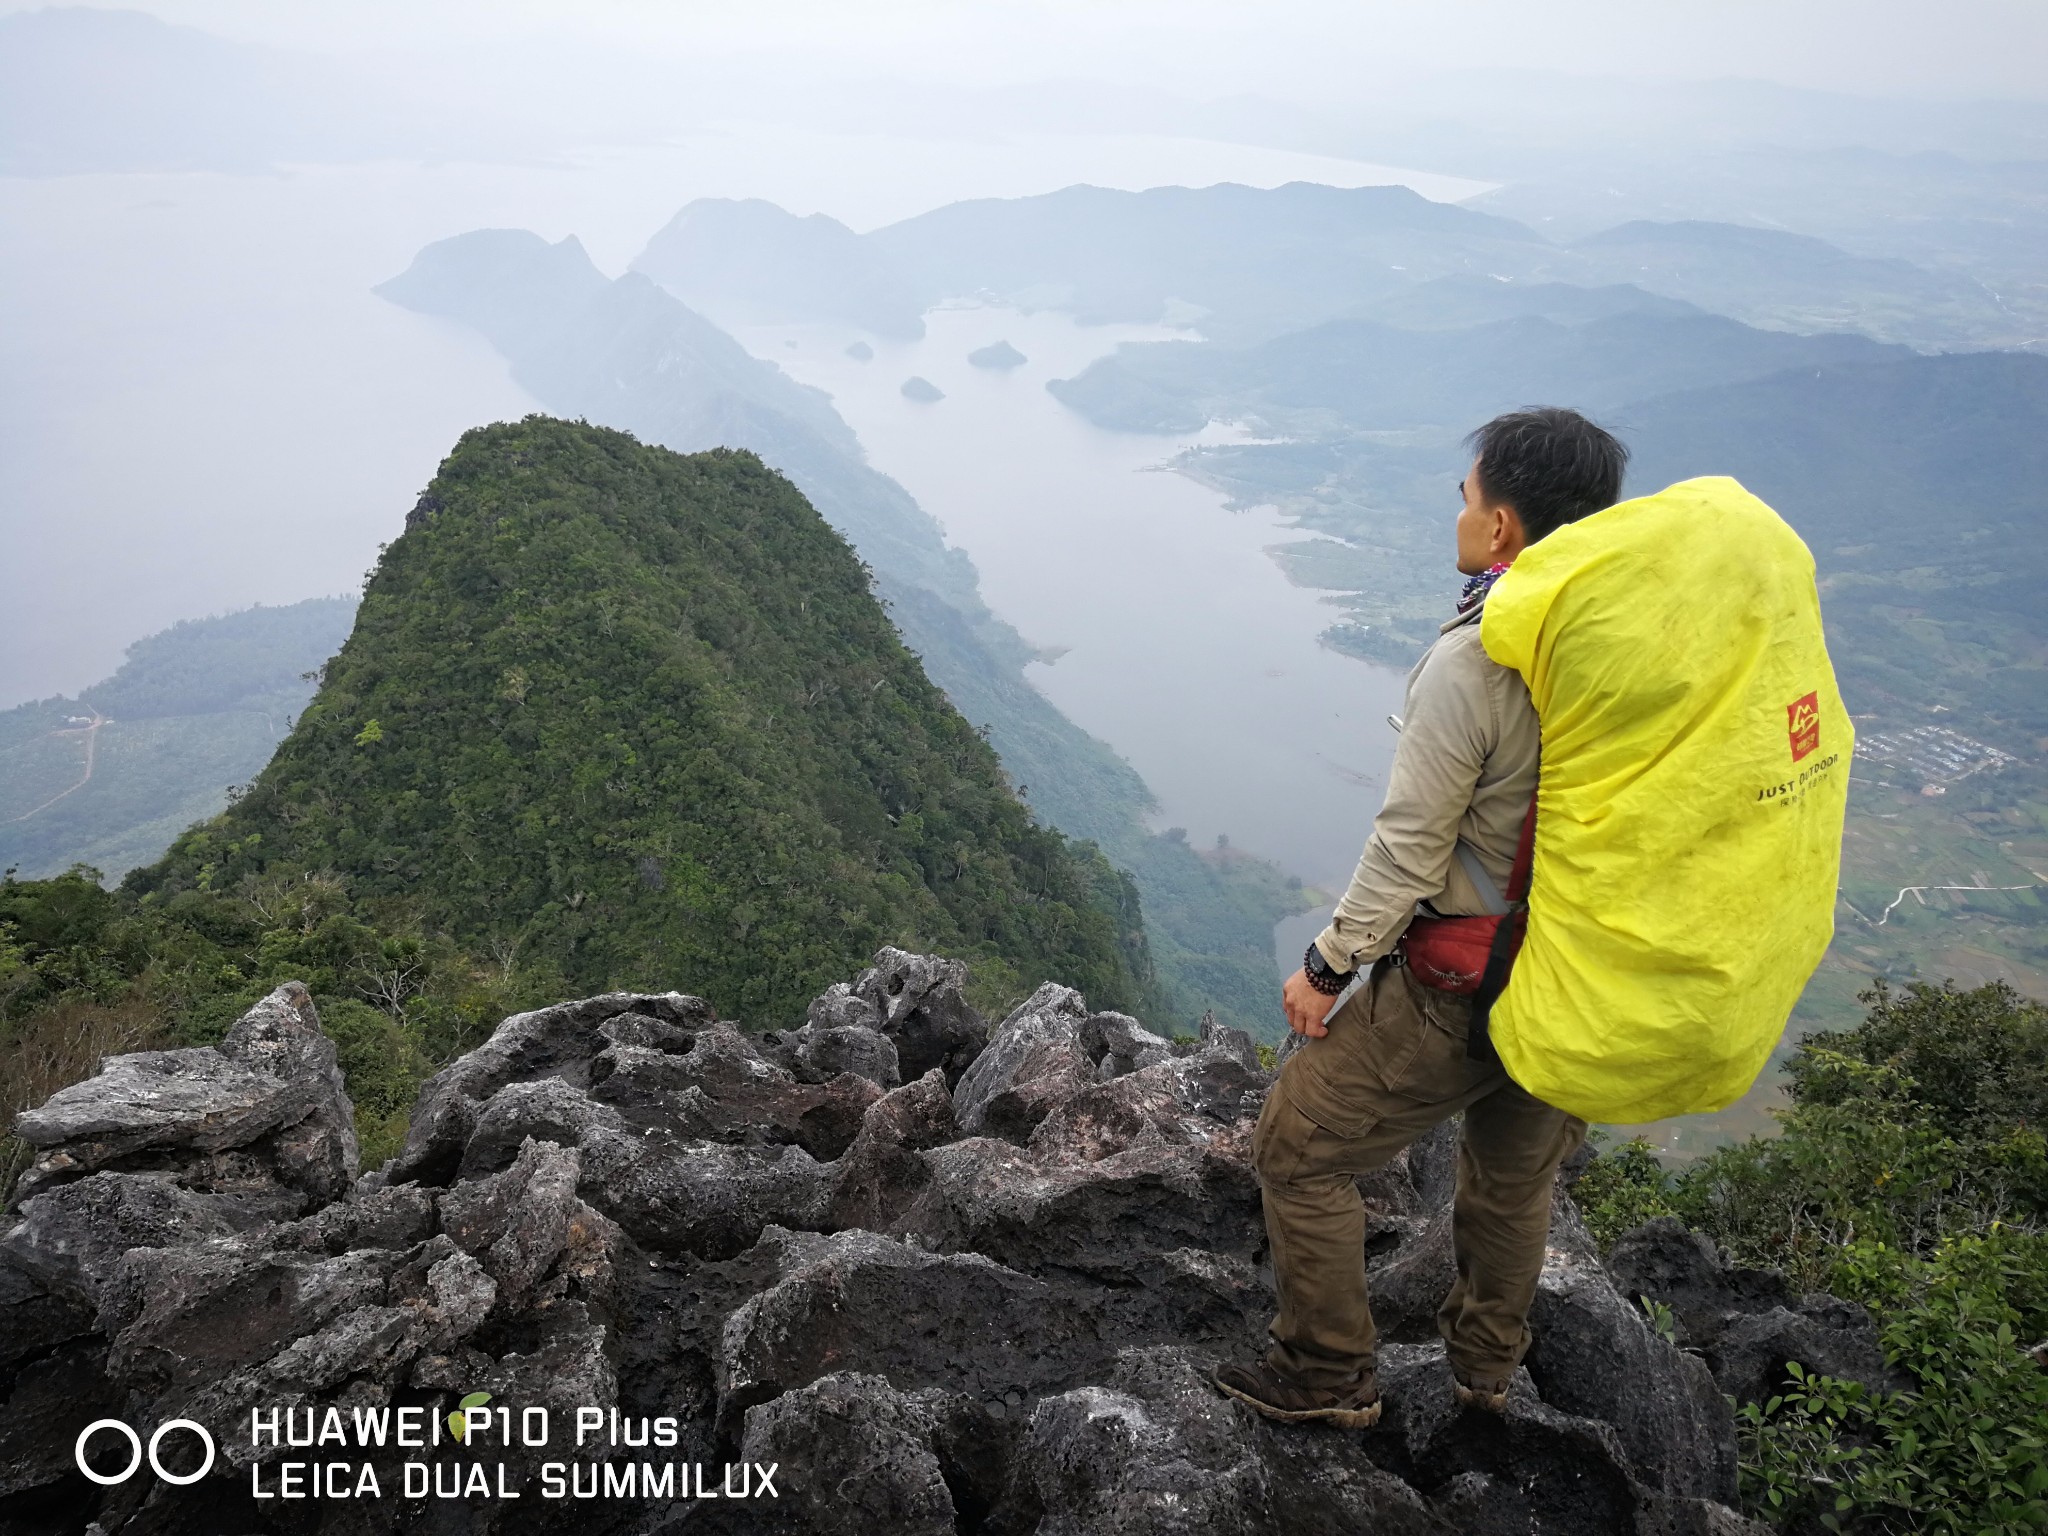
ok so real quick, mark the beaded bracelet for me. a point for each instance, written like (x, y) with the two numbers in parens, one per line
(1319, 974)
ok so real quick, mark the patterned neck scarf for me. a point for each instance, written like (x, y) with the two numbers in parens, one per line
(1478, 586)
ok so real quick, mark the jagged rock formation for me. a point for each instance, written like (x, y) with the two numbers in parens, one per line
(939, 1276)
(1746, 1323)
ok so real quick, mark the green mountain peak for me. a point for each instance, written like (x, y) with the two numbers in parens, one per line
(631, 717)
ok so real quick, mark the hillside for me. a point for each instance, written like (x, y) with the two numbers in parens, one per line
(192, 712)
(1358, 375)
(629, 355)
(635, 717)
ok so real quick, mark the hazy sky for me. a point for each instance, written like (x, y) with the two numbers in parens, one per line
(205, 407)
(1319, 49)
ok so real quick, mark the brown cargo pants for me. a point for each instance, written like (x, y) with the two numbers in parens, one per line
(1392, 1066)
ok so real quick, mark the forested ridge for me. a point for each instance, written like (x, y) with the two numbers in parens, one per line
(611, 716)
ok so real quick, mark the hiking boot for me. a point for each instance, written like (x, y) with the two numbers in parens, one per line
(1487, 1393)
(1356, 1406)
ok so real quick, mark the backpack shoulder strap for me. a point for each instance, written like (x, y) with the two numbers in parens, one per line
(1507, 942)
(1475, 871)
(1525, 856)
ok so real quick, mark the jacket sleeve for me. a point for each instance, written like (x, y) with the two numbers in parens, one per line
(1446, 736)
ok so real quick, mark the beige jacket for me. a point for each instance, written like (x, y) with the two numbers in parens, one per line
(1464, 768)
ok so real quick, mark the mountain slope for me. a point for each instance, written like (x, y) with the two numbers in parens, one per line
(630, 355)
(192, 711)
(747, 261)
(637, 715)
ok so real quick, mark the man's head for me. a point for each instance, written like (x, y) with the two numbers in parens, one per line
(1532, 472)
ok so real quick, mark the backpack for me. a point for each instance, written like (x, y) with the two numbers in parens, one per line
(1695, 778)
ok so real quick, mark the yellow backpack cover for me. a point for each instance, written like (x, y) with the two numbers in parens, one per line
(1689, 815)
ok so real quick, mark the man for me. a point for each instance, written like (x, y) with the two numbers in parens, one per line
(1392, 1061)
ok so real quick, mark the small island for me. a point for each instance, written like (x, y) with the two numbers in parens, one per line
(998, 354)
(924, 391)
(861, 352)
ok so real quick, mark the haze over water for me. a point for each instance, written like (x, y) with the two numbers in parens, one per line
(1174, 636)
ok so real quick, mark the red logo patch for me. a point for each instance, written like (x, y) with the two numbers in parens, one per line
(1802, 721)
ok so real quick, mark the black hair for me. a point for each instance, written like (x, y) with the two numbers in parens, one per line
(1551, 465)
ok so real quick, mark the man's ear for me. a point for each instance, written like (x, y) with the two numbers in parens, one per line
(1509, 537)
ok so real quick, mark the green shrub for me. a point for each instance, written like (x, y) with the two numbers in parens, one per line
(1909, 1175)
(1621, 1189)
(384, 1066)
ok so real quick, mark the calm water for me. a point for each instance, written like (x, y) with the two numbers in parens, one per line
(1172, 634)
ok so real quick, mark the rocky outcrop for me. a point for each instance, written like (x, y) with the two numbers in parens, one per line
(1746, 1324)
(260, 1119)
(918, 1274)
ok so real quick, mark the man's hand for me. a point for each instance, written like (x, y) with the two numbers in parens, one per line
(1306, 1007)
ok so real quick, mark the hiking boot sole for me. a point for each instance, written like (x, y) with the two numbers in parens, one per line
(1342, 1418)
(1485, 1402)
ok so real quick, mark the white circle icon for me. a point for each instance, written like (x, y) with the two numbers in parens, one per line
(165, 1428)
(134, 1444)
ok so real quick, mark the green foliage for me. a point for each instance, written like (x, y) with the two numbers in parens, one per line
(1966, 1453)
(384, 1063)
(636, 718)
(1922, 1123)
(1621, 1189)
(1908, 1176)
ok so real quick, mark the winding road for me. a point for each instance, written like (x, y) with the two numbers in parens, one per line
(91, 733)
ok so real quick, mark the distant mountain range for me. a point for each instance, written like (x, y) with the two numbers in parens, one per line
(1246, 263)
(1361, 375)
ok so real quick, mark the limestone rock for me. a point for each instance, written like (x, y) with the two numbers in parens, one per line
(1595, 1355)
(72, 1237)
(881, 1174)
(1155, 1449)
(1746, 1322)
(1118, 1043)
(854, 1454)
(862, 1302)
(262, 1112)
(921, 1003)
(522, 1223)
(1105, 1219)
(560, 1041)
(1034, 1062)
(1220, 1039)
(1824, 1334)
(855, 1049)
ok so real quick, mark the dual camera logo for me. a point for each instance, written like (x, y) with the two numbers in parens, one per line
(180, 1479)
